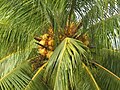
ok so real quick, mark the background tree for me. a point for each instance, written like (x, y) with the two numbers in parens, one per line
(84, 59)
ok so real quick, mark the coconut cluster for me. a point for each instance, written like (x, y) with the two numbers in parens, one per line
(45, 45)
(46, 41)
(71, 30)
(85, 39)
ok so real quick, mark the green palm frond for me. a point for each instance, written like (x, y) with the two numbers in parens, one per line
(99, 18)
(17, 78)
(16, 71)
(107, 80)
(11, 61)
(107, 73)
(72, 66)
(36, 82)
(66, 63)
(87, 80)
(21, 29)
(111, 60)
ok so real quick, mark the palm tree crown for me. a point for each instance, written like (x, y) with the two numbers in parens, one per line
(59, 44)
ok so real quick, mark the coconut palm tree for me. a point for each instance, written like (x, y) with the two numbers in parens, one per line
(85, 48)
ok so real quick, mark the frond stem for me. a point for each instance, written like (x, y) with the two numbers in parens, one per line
(97, 87)
(106, 70)
(41, 68)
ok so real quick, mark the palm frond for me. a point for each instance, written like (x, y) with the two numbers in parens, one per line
(91, 77)
(11, 61)
(107, 74)
(61, 71)
(107, 80)
(100, 18)
(85, 79)
(36, 82)
(111, 60)
(68, 68)
(18, 78)
(21, 28)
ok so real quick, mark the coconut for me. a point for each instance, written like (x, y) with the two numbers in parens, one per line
(50, 31)
(48, 55)
(42, 42)
(86, 42)
(51, 42)
(45, 36)
(43, 51)
(40, 47)
(51, 48)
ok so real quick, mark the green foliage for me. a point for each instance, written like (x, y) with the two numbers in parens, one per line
(67, 67)
(18, 78)
(73, 66)
(110, 75)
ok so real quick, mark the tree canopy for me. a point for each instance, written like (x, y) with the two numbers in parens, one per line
(74, 64)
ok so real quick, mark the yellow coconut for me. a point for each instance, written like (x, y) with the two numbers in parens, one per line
(45, 36)
(40, 47)
(48, 55)
(50, 31)
(51, 48)
(51, 42)
(42, 42)
(43, 51)
(33, 67)
(86, 42)
(50, 38)
(72, 25)
(60, 36)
